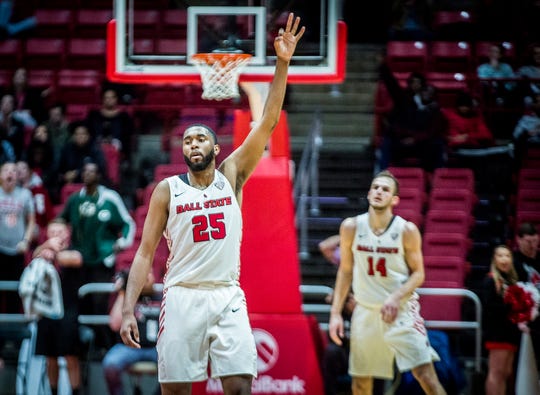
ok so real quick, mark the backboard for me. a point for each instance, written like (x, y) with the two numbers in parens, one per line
(155, 45)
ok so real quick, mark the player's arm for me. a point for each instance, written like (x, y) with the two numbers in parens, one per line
(412, 245)
(328, 248)
(154, 225)
(241, 163)
(343, 280)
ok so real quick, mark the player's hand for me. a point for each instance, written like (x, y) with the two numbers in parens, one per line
(389, 310)
(129, 331)
(335, 328)
(286, 40)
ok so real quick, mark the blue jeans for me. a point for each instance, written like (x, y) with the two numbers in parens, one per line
(12, 29)
(118, 359)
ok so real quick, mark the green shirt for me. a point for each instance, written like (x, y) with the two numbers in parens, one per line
(98, 221)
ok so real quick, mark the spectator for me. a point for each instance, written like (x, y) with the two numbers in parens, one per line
(120, 357)
(40, 155)
(415, 128)
(499, 90)
(466, 124)
(12, 126)
(7, 153)
(77, 151)
(527, 129)
(530, 73)
(101, 227)
(527, 264)
(501, 334)
(60, 337)
(111, 124)
(17, 221)
(58, 127)
(27, 178)
(29, 101)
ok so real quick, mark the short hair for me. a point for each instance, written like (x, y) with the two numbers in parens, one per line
(76, 124)
(61, 105)
(208, 128)
(526, 229)
(388, 174)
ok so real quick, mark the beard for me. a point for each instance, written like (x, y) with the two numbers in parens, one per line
(200, 165)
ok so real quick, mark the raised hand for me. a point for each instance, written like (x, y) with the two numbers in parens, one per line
(286, 40)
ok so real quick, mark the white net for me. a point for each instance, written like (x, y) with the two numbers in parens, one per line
(219, 73)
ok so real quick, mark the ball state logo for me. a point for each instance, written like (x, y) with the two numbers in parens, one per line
(267, 350)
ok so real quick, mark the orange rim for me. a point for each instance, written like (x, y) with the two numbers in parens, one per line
(211, 57)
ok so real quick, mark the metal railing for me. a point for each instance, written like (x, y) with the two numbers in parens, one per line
(476, 324)
(306, 185)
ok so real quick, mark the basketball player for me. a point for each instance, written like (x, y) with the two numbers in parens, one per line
(381, 257)
(204, 315)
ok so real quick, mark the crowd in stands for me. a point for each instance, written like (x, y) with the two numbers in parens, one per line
(420, 125)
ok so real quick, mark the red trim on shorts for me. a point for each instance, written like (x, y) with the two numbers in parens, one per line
(501, 346)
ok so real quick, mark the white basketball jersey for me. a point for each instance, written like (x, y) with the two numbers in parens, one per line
(204, 230)
(379, 262)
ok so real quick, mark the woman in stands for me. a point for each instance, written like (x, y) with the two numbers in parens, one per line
(501, 334)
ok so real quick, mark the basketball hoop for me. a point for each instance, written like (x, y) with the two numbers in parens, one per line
(219, 73)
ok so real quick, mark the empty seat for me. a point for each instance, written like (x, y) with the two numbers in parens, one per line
(5, 77)
(528, 200)
(91, 23)
(41, 78)
(11, 53)
(410, 177)
(412, 199)
(448, 86)
(450, 56)
(79, 86)
(86, 53)
(165, 170)
(445, 268)
(164, 95)
(528, 178)
(446, 244)
(407, 55)
(430, 305)
(45, 53)
(54, 23)
(146, 23)
(68, 189)
(112, 157)
(414, 216)
(171, 46)
(143, 46)
(206, 115)
(448, 221)
(452, 199)
(76, 111)
(453, 177)
(174, 23)
(453, 24)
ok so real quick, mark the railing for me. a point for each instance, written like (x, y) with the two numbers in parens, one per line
(476, 324)
(25, 377)
(306, 186)
(93, 288)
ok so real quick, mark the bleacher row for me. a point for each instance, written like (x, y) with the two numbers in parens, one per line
(443, 205)
(451, 67)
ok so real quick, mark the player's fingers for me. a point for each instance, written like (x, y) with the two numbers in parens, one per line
(289, 22)
(295, 26)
